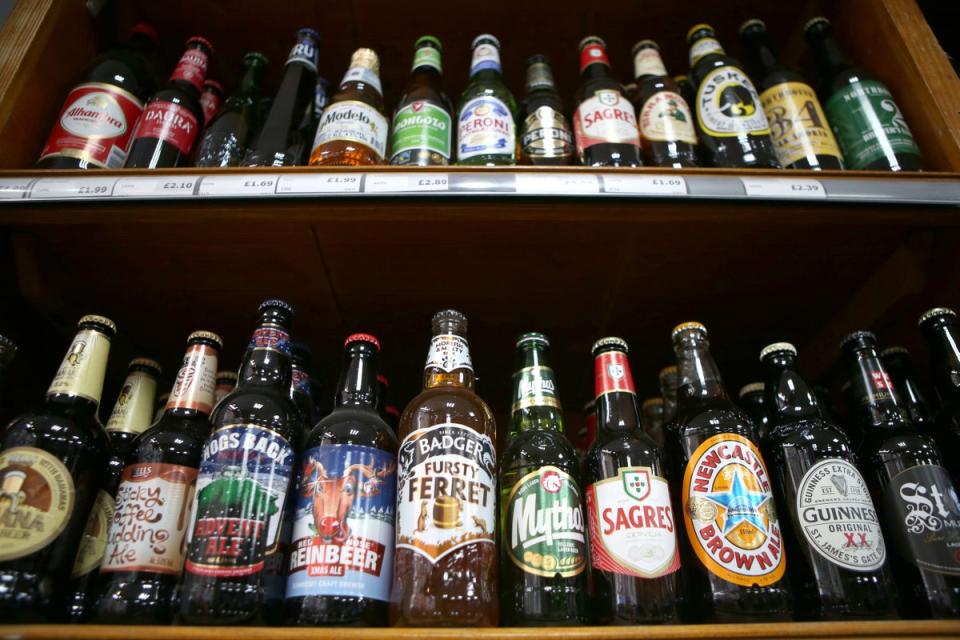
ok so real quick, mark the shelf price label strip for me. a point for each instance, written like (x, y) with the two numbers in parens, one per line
(647, 185)
(784, 188)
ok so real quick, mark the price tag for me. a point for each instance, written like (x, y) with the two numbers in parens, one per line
(73, 188)
(648, 185)
(143, 187)
(14, 188)
(319, 183)
(557, 184)
(405, 182)
(254, 184)
(763, 187)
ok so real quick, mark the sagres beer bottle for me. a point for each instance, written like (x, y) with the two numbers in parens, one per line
(225, 138)
(445, 568)
(422, 126)
(52, 462)
(545, 136)
(486, 120)
(543, 544)
(838, 556)
(245, 472)
(144, 546)
(918, 502)
(341, 559)
(633, 540)
(900, 366)
(942, 332)
(731, 522)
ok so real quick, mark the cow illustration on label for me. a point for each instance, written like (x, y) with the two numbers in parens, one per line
(333, 496)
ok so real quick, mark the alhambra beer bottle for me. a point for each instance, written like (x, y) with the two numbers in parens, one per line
(52, 462)
(737, 569)
(486, 120)
(445, 566)
(633, 539)
(543, 544)
(341, 558)
(940, 328)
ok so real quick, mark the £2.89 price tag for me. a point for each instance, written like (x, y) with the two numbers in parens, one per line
(803, 188)
(405, 182)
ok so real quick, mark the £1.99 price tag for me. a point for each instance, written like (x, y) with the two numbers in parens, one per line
(307, 183)
(55, 188)
(801, 188)
(254, 184)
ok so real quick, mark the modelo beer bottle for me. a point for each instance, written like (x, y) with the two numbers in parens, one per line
(899, 364)
(486, 118)
(940, 328)
(422, 132)
(545, 135)
(445, 567)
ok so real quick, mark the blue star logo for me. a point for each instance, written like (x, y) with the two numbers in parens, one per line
(740, 503)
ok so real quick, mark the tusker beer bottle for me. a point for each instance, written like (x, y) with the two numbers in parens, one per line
(422, 132)
(486, 118)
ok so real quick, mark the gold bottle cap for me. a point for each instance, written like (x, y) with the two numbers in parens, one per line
(936, 312)
(667, 371)
(750, 23)
(227, 375)
(894, 351)
(698, 27)
(101, 320)
(366, 58)
(206, 335)
(146, 362)
(750, 388)
(777, 346)
(651, 402)
(687, 326)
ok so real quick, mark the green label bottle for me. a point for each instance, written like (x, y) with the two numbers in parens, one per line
(422, 125)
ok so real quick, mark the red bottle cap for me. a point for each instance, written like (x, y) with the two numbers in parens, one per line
(146, 29)
(363, 337)
(200, 40)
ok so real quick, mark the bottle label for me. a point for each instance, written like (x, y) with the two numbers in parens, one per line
(485, 56)
(421, 125)
(665, 117)
(270, 337)
(192, 68)
(95, 125)
(356, 122)
(837, 518)
(605, 117)
(923, 514)
(133, 411)
(543, 524)
(704, 47)
(150, 521)
(868, 124)
(196, 380)
(37, 497)
(486, 127)
(427, 57)
(301, 381)
(535, 387)
(343, 532)
(647, 62)
(446, 488)
(632, 525)
(798, 126)
(94, 539)
(448, 352)
(729, 512)
(244, 474)
(593, 52)
(210, 102)
(365, 75)
(728, 104)
(168, 122)
(539, 76)
(304, 52)
(83, 368)
(874, 386)
(611, 373)
(546, 134)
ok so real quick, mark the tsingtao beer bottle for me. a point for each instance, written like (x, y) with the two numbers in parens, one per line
(545, 135)
(754, 404)
(422, 133)
(486, 118)
(899, 364)
(225, 138)
(942, 331)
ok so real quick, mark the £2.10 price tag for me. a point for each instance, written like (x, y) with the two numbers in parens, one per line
(803, 188)
(405, 182)
(307, 183)
(254, 184)
(146, 187)
(646, 185)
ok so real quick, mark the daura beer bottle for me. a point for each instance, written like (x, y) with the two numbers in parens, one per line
(422, 132)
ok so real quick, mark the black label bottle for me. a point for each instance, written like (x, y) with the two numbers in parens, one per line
(941, 330)
(422, 133)
(486, 120)
(225, 138)
(545, 135)
(900, 366)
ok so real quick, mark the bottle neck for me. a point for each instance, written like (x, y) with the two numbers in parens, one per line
(299, 383)
(703, 47)
(267, 362)
(358, 77)
(194, 389)
(829, 56)
(944, 358)
(358, 382)
(448, 362)
(788, 397)
(81, 374)
(759, 56)
(252, 77)
(699, 376)
(536, 403)
(426, 60)
(133, 411)
(191, 71)
(142, 44)
(647, 63)
(540, 78)
(876, 399)
(485, 63)
(616, 396)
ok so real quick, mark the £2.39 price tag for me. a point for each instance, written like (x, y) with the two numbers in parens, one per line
(803, 188)
(308, 183)
(652, 185)
(254, 184)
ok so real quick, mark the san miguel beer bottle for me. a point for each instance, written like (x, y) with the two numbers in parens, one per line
(486, 118)
(543, 543)
(246, 468)
(341, 560)
(225, 138)
(900, 366)
(633, 527)
(941, 329)
(445, 566)
(733, 128)
(52, 462)
(545, 136)
(839, 568)
(422, 132)
(918, 502)
(738, 564)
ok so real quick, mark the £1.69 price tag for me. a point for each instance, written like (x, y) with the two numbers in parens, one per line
(254, 184)
(647, 185)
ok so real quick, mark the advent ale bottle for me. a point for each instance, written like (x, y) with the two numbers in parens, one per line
(143, 559)
(173, 117)
(651, 418)
(545, 136)
(733, 128)
(633, 539)
(798, 127)
(226, 382)
(869, 126)
(942, 332)
(753, 403)
(225, 138)
(445, 566)
(664, 118)
(604, 122)
(211, 99)
(900, 366)
(296, 96)
(422, 132)
(543, 543)
(486, 118)
(52, 462)
(736, 571)
(341, 560)
(917, 499)
(246, 468)
(839, 568)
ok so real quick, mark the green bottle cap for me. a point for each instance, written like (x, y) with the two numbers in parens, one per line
(429, 40)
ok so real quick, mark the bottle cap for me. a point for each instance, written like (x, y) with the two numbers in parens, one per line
(699, 27)
(308, 32)
(609, 341)
(382, 379)
(750, 388)
(485, 36)
(818, 21)
(103, 321)
(207, 336)
(362, 337)
(213, 84)
(687, 326)
(255, 57)
(538, 58)
(858, 335)
(644, 44)
(227, 375)
(366, 58)
(428, 40)
(146, 29)
(449, 315)
(533, 337)
(201, 41)
(651, 402)
(777, 346)
(936, 312)
(275, 303)
(894, 351)
(752, 22)
(592, 40)
(670, 370)
(147, 363)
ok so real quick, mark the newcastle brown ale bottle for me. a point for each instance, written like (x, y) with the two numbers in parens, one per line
(942, 332)
(900, 366)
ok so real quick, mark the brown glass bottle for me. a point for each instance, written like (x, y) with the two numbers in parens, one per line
(422, 132)
(942, 331)
(445, 567)
(652, 413)
(754, 405)
(545, 135)
(226, 382)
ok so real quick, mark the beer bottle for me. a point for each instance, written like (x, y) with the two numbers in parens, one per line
(52, 462)
(737, 572)
(900, 366)
(633, 541)
(226, 382)
(687, 91)
(245, 472)
(8, 353)
(604, 122)
(940, 328)
(131, 416)
(302, 141)
(486, 122)
(869, 126)
(831, 525)
(97, 119)
(211, 99)
(143, 558)
(733, 128)
(346, 502)
(665, 120)
(754, 405)
(588, 432)
(301, 357)
(445, 566)
(224, 141)
(296, 96)
(422, 127)
(798, 127)
(651, 417)
(387, 411)
(918, 501)
(543, 544)
(669, 381)
(173, 117)
(545, 136)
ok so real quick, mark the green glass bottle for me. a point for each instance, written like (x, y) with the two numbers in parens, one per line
(543, 545)
(486, 122)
